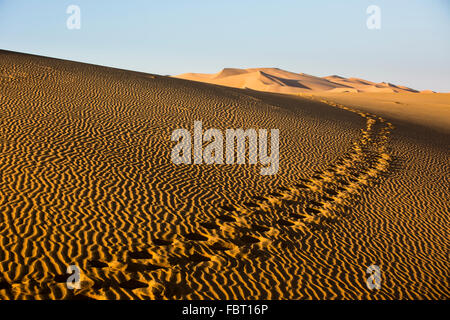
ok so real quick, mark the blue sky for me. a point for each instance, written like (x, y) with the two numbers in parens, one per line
(412, 47)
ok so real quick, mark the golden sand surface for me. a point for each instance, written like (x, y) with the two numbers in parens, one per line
(86, 179)
(281, 81)
(431, 110)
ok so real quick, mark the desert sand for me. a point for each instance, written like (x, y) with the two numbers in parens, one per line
(431, 110)
(86, 180)
(281, 81)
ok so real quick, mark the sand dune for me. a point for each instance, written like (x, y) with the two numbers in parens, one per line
(86, 179)
(280, 81)
(431, 110)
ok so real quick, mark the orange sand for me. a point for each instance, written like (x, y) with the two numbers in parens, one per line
(86, 179)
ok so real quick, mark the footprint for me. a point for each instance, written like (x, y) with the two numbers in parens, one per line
(139, 267)
(290, 201)
(328, 199)
(259, 228)
(177, 290)
(259, 212)
(250, 204)
(312, 210)
(4, 285)
(257, 253)
(209, 225)
(102, 284)
(195, 258)
(97, 264)
(80, 296)
(198, 258)
(343, 182)
(285, 223)
(228, 208)
(226, 218)
(275, 194)
(315, 203)
(296, 216)
(242, 229)
(219, 247)
(259, 198)
(330, 192)
(248, 239)
(61, 278)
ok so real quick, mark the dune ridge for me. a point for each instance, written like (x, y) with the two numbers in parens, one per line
(86, 179)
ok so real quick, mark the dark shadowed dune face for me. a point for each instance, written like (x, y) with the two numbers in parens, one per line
(86, 179)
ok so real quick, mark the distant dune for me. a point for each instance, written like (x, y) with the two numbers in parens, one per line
(281, 81)
(86, 179)
(428, 108)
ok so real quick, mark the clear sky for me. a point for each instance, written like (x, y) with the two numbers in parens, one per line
(321, 38)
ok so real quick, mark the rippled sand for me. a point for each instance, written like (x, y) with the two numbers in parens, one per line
(86, 179)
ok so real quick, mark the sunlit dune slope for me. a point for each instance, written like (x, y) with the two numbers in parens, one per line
(86, 179)
(281, 81)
